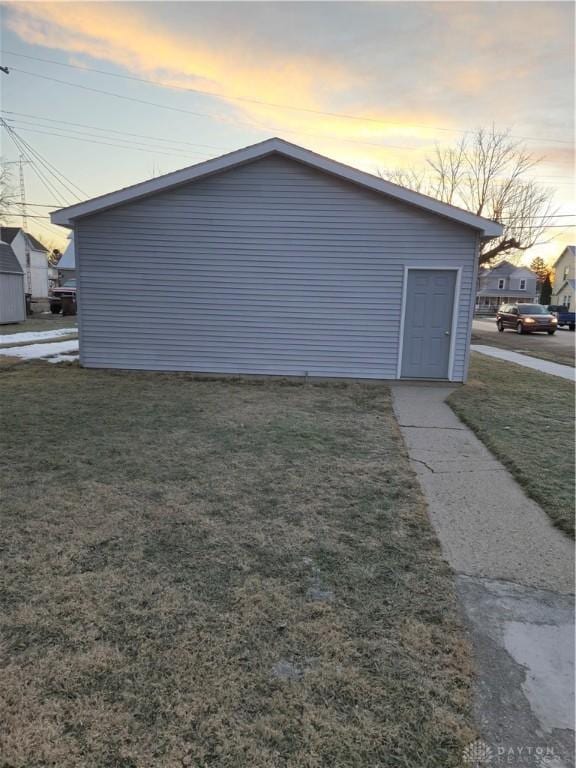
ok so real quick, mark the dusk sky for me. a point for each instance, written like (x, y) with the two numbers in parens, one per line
(411, 74)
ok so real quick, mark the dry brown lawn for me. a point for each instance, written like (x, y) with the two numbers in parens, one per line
(219, 573)
(526, 418)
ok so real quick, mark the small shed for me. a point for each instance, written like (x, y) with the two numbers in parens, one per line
(276, 260)
(32, 257)
(12, 299)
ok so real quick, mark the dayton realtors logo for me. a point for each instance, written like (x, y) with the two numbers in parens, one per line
(479, 754)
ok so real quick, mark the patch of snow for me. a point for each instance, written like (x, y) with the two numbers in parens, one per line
(62, 358)
(38, 351)
(18, 338)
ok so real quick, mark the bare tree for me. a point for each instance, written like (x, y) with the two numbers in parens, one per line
(487, 173)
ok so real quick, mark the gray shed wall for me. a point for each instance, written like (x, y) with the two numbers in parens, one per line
(12, 303)
(273, 267)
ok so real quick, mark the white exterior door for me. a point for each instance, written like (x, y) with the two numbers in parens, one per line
(429, 308)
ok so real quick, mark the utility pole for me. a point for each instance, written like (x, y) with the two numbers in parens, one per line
(6, 71)
(25, 225)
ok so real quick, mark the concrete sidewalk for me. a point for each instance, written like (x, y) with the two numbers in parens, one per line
(544, 366)
(514, 574)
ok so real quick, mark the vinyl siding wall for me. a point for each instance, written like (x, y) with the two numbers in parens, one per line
(560, 274)
(12, 302)
(38, 267)
(272, 267)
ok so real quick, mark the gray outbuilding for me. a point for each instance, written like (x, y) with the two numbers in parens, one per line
(12, 299)
(276, 260)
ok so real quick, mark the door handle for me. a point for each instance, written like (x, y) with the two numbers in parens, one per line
(446, 333)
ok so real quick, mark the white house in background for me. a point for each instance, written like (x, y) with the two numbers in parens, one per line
(276, 260)
(505, 284)
(12, 302)
(564, 285)
(32, 257)
(52, 276)
(67, 263)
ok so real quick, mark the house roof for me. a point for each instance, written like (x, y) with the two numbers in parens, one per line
(8, 261)
(67, 216)
(7, 234)
(68, 259)
(505, 269)
(570, 283)
(571, 249)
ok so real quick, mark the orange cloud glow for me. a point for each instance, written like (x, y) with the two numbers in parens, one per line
(124, 38)
(423, 89)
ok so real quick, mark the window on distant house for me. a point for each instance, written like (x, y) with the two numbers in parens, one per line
(566, 273)
(522, 285)
(501, 284)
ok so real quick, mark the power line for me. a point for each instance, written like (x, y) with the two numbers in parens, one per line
(261, 102)
(46, 164)
(51, 169)
(180, 152)
(114, 130)
(139, 146)
(22, 145)
(95, 139)
(46, 227)
(208, 115)
(22, 149)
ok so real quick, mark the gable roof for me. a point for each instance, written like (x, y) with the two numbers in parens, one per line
(570, 250)
(8, 261)
(571, 283)
(66, 216)
(7, 235)
(68, 259)
(506, 268)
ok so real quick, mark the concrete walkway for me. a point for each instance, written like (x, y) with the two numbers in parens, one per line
(514, 573)
(545, 366)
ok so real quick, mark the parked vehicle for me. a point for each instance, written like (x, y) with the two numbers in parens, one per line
(526, 318)
(63, 298)
(565, 317)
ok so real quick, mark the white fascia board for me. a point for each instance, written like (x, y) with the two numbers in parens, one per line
(65, 217)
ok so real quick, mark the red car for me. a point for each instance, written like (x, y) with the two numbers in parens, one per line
(526, 318)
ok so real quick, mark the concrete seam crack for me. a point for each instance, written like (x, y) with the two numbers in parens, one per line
(419, 461)
(422, 426)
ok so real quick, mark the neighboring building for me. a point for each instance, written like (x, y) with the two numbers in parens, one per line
(12, 300)
(276, 260)
(505, 284)
(52, 277)
(563, 288)
(67, 263)
(33, 258)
